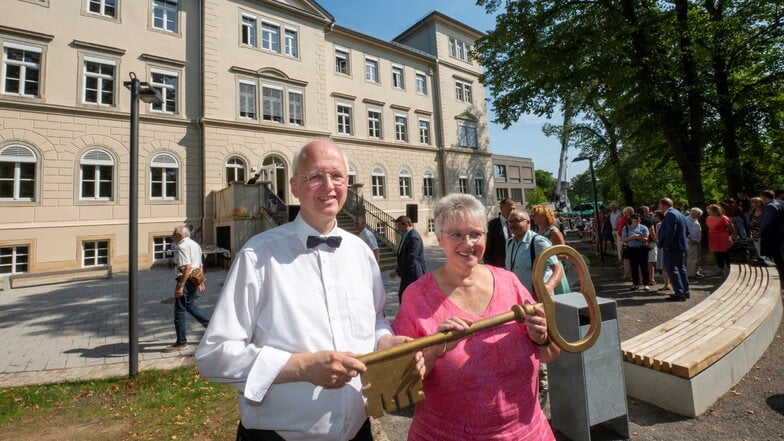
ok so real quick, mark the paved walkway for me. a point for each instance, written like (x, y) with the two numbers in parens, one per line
(79, 330)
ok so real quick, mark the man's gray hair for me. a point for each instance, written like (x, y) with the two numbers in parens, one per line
(458, 208)
(183, 230)
(697, 211)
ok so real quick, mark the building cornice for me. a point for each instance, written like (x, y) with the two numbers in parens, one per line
(382, 143)
(267, 127)
(24, 33)
(438, 17)
(98, 47)
(157, 59)
(104, 113)
(393, 46)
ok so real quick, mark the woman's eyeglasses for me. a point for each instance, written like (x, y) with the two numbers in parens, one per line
(458, 237)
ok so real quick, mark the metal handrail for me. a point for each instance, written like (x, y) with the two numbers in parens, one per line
(378, 220)
(273, 206)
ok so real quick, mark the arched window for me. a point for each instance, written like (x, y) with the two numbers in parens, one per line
(96, 175)
(17, 173)
(164, 173)
(479, 185)
(352, 175)
(378, 182)
(404, 183)
(235, 170)
(428, 184)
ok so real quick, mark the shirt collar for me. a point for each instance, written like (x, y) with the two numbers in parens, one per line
(303, 230)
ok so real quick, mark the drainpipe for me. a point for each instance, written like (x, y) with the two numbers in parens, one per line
(200, 125)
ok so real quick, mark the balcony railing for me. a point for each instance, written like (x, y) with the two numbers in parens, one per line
(273, 206)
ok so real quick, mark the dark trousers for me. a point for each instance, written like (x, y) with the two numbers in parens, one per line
(722, 259)
(187, 303)
(675, 266)
(638, 259)
(243, 434)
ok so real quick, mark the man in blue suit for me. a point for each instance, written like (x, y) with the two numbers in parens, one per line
(673, 241)
(410, 255)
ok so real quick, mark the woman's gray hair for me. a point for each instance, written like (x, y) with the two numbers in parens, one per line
(458, 208)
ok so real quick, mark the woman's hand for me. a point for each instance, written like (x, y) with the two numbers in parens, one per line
(537, 326)
(452, 324)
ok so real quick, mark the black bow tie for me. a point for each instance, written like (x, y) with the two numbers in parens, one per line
(333, 241)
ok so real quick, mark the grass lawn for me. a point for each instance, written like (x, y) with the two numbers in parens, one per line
(157, 405)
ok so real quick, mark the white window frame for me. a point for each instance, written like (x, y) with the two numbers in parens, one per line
(344, 115)
(165, 8)
(431, 225)
(160, 245)
(378, 183)
(24, 67)
(100, 79)
(343, 54)
(268, 105)
(352, 175)
(270, 35)
(235, 169)
(291, 116)
(18, 155)
(459, 49)
(462, 183)
(371, 70)
(401, 127)
(100, 252)
(18, 259)
(102, 161)
(424, 131)
(467, 134)
(102, 6)
(164, 162)
(398, 77)
(499, 171)
(249, 28)
(375, 123)
(169, 93)
(421, 82)
(479, 184)
(428, 185)
(404, 183)
(248, 104)
(291, 42)
(464, 92)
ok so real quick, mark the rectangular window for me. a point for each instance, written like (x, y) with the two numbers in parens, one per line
(374, 123)
(499, 171)
(272, 104)
(160, 246)
(501, 194)
(22, 70)
(397, 77)
(249, 31)
(99, 82)
(463, 91)
(270, 36)
(163, 183)
(459, 49)
(344, 119)
(371, 70)
(95, 253)
(17, 180)
(97, 182)
(424, 131)
(167, 84)
(428, 187)
(342, 62)
(421, 83)
(248, 101)
(405, 186)
(291, 46)
(14, 259)
(106, 8)
(467, 135)
(431, 225)
(479, 187)
(462, 185)
(401, 128)
(296, 108)
(377, 186)
(164, 15)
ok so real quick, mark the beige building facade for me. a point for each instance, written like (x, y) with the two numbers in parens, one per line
(244, 84)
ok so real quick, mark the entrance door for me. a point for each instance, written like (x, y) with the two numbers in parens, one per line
(275, 168)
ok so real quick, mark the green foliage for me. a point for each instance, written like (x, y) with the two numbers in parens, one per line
(536, 196)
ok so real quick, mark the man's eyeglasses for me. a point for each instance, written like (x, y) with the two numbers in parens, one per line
(457, 237)
(319, 178)
(518, 221)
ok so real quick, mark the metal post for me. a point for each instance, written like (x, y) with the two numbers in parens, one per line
(133, 233)
(596, 231)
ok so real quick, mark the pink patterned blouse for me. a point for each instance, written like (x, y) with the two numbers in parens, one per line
(486, 388)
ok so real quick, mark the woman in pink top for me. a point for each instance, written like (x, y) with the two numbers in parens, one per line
(719, 236)
(483, 387)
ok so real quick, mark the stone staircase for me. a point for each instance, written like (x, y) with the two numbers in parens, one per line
(388, 260)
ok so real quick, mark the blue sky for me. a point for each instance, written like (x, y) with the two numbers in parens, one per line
(387, 19)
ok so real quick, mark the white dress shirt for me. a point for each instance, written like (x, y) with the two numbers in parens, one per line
(282, 298)
(188, 253)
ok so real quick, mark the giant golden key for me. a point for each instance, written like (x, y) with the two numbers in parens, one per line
(390, 384)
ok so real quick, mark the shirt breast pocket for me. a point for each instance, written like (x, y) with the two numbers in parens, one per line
(362, 314)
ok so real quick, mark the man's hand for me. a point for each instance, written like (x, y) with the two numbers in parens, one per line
(388, 341)
(202, 288)
(178, 292)
(331, 369)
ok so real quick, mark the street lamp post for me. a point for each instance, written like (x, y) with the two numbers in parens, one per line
(597, 235)
(139, 91)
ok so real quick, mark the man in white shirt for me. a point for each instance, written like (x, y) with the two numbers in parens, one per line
(693, 254)
(615, 213)
(187, 258)
(367, 236)
(301, 302)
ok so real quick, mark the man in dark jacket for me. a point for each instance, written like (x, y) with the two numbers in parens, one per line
(497, 234)
(410, 255)
(772, 230)
(673, 241)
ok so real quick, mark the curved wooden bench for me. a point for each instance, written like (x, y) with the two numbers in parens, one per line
(685, 364)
